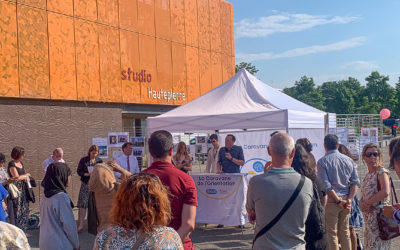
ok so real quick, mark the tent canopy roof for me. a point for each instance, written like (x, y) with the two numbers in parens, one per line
(242, 102)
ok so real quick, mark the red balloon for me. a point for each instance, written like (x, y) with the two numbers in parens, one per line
(384, 114)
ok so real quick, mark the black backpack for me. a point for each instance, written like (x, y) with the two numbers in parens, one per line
(316, 237)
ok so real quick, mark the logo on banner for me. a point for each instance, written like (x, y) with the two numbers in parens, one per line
(211, 191)
(254, 166)
(217, 187)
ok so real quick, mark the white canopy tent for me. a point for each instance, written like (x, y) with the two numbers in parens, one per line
(242, 102)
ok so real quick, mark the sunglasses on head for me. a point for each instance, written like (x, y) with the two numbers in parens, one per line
(369, 154)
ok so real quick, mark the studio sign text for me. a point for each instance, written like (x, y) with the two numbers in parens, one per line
(142, 76)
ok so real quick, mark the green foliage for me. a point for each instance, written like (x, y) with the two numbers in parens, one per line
(396, 109)
(379, 91)
(305, 91)
(348, 96)
(247, 66)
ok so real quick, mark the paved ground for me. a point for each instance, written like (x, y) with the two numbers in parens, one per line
(209, 237)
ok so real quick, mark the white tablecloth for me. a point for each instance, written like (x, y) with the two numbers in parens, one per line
(221, 198)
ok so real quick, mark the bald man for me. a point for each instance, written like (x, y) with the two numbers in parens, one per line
(269, 192)
(57, 156)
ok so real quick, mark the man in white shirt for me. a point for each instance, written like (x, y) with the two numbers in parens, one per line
(127, 160)
(57, 156)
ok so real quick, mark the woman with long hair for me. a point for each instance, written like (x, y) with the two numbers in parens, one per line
(372, 196)
(356, 217)
(394, 154)
(143, 225)
(315, 236)
(307, 145)
(57, 227)
(85, 168)
(182, 160)
(17, 171)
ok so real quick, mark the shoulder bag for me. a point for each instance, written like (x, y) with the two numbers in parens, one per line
(388, 228)
(283, 211)
(30, 194)
(13, 190)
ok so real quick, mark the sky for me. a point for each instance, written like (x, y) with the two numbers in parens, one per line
(325, 40)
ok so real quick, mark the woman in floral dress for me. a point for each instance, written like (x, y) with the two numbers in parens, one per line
(17, 171)
(142, 226)
(371, 197)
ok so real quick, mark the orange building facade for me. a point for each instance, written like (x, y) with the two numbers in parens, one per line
(73, 70)
(120, 51)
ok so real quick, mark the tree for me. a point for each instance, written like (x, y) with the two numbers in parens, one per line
(341, 97)
(247, 66)
(379, 92)
(396, 109)
(368, 107)
(305, 91)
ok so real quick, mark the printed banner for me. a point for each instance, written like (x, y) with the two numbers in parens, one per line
(117, 139)
(138, 142)
(227, 192)
(138, 151)
(103, 147)
(138, 146)
(316, 137)
(254, 145)
(201, 140)
(342, 134)
(192, 151)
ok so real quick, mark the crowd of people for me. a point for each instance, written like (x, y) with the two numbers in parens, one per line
(322, 211)
(297, 203)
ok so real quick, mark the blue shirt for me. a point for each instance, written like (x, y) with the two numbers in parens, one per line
(228, 166)
(3, 194)
(337, 172)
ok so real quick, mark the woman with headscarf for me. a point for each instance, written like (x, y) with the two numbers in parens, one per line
(58, 227)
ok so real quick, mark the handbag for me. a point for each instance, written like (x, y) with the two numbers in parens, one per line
(30, 195)
(388, 227)
(32, 181)
(283, 211)
(13, 190)
(315, 236)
